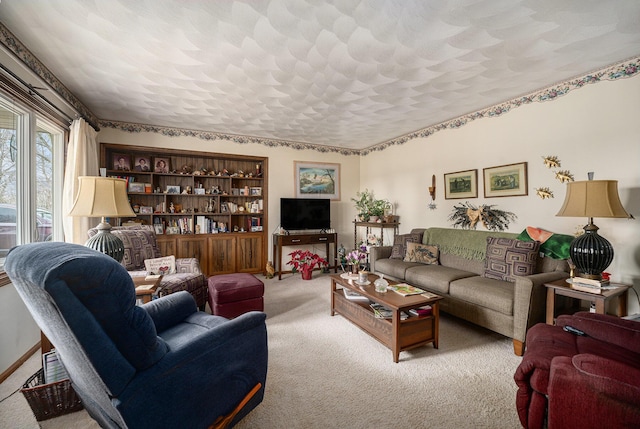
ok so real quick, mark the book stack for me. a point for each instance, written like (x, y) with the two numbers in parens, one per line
(421, 311)
(588, 285)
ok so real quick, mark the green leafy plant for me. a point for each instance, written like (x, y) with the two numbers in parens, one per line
(367, 205)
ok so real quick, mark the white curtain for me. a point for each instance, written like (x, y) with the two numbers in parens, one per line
(82, 160)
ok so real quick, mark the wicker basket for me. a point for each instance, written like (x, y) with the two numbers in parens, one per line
(50, 400)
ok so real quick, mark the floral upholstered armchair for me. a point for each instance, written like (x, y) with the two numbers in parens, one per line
(140, 244)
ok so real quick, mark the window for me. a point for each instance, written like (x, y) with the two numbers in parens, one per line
(31, 170)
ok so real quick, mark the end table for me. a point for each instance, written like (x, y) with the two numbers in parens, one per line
(562, 288)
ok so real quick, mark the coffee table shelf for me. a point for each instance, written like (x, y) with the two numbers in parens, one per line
(396, 334)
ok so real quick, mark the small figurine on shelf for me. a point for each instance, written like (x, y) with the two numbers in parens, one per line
(172, 208)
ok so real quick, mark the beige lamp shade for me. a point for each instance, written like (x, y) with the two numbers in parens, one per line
(102, 197)
(593, 198)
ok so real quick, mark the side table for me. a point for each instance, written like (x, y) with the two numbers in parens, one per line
(562, 288)
(146, 288)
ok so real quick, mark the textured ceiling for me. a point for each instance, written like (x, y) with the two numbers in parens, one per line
(347, 73)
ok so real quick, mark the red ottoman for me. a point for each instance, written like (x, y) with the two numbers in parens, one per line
(231, 295)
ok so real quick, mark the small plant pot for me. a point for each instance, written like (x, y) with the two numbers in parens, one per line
(306, 275)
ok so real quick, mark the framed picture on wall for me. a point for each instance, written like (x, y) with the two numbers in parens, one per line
(461, 184)
(317, 180)
(506, 180)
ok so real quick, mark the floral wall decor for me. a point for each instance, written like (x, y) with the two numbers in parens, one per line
(467, 216)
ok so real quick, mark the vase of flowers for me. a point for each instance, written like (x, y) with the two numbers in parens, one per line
(303, 261)
(354, 259)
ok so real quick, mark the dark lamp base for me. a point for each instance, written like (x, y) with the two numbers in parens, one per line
(591, 253)
(107, 243)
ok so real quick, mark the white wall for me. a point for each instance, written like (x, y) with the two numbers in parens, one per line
(595, 128)
(18, 331)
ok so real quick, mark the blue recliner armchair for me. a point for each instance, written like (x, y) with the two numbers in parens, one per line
(160, 365)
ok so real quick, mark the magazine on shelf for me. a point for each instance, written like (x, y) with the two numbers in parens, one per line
(354, 296)
(405, 289)
(382, 312)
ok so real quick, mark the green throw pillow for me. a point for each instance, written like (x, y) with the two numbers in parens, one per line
(556, 247)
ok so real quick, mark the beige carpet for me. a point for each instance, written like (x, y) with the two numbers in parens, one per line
(324, 372)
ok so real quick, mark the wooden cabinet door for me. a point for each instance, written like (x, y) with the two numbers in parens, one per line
(221, 258)
(249, 254)
(192, 247)
(167, 244)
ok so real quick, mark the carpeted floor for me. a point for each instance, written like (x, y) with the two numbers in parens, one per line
(324, 372)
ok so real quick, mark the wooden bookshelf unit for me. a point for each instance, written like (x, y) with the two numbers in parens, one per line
(211, 206)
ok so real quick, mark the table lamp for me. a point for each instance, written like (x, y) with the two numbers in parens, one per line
(590, 252)
(103, 197)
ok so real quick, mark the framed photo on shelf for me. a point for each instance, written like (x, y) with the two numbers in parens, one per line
(461, 184)
(317, 180)
(142, 163)
(146, 210)
(121, 162)
(136, 187)
(173, 189)
(198, 191)
(161, 165)
(157, 227)
(506, 180)
(255, 191)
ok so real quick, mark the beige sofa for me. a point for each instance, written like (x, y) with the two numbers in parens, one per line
(506, 307)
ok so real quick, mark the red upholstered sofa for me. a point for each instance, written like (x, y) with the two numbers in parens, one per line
(572, 381)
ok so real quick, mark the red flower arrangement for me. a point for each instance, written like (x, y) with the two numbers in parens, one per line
(305, 261)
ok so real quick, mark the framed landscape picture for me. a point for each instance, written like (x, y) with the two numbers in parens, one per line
(506, 180)
(461, 184)
(317, 180)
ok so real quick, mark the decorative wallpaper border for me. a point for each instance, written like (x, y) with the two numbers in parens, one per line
(210, 135)
(625, 69)
(12, 43)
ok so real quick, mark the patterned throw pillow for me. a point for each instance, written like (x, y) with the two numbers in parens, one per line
(164, 265)
(507, 258)
(422, 253)
(399, 248)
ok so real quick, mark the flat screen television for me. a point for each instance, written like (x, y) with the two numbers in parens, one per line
(305, 213)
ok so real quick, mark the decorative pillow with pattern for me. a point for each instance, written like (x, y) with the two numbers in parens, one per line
(399, 249)
(164, 265)
(422, 253)
(507, 258)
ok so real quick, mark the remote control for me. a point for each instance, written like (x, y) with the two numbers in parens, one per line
(574, 331)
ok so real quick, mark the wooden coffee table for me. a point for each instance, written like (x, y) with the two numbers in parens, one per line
(146, 288)
(398, 335)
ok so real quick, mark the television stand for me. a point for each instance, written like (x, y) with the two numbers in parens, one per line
(280, 241)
